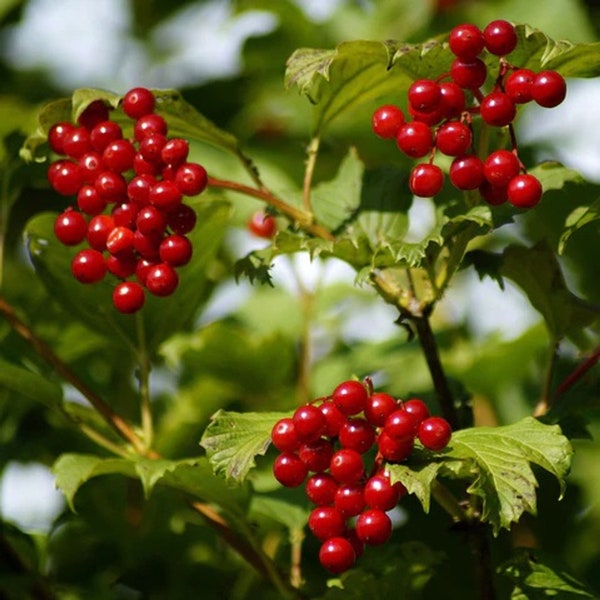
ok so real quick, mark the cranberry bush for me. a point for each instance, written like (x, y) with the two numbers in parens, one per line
(260, 451)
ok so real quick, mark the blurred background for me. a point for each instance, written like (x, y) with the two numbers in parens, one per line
(228, 59)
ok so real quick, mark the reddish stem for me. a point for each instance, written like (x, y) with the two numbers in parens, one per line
(577, 373)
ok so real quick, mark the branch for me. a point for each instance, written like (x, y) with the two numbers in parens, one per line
(115, 421)
(304, 219)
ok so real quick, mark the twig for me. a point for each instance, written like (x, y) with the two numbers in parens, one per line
(440, 382)
(578, 373)
(480, 546)
(115, 421)
(304, 219)
(543, 406)
(311, 161)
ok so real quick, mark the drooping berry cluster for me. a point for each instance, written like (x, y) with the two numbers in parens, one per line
(339, 449)
(442, 112)
(129, 198)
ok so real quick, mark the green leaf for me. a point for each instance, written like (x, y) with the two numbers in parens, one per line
(538, 576)
(500, 457)
(232, 440)
(554, 176)
(29, 384)
(335, 201)
(537, 272)
(581, 216)
(290, 515)
(192, 476)
(92, 304)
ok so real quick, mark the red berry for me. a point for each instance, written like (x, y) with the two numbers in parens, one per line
(434, 433)
(164, 195)
(350, 397)
(394, 450)
(524, 191)
(380, 493)
(56, 136)
(76, 142)
(415, 139)
(326, 522)
(500, 37)
(283, 435)
(289, 470)
(334, 418)
(142, 269)
(147, 245)
(469, 75)
(175, 250)
(175, 152)
(125, 214)
(430, 118)
(181, 219)
(149, 124)
(417, 408)
(143, 167)
(98, 229)
(104, 133)
(424, 95)
(349, 500)
(466, 41)
(548, 89)
(309, 423)
(426, 180)
(94, 113)
(321, 489)
(161, 280)
(123, 264)
(494, 195)
(337, 555)
(347, 466)
(498, 109)
(453, 138)
(401, 425)
(191, 179)
(111, 186)
(373, 527)
(500, 167)
(151, 148)
(90, 166)
(151, 221)
(88, 266)
(138, 102)
(70, 227)
(387, 120)
(378, 407)
(453, 101)
(262, 225)
(357, 434)
(119, 239)
(128, 297)
(316, 455)
(466, 172)
(89, 201)
(518, 85)
(118, 156)
(65, 177)
(138, 189)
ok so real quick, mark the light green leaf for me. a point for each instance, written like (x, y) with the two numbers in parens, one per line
(29, 384)
(581, 216)
(416, 477)
(554, 176)
(232, 440)
(501, 457)
(290, 515)
(537, 272)
(537, 577)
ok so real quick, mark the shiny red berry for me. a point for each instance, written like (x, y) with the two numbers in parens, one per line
(350, 397)
(70, 227)
(337, 555)
(466, 41)
(161, 280)
(138, 102)
(88, 266)
(548, 89)
(500, 37)
(128, 297)
(524, 191)
(435, 433)
(262, 225)
(426, 180)
(387, 120)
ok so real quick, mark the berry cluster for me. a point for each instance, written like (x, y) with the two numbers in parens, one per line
(129, 192)
(442, 113)
(330, 441)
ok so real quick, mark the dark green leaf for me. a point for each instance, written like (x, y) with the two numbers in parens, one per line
(29, 384)
(537, 576)
(581, 216)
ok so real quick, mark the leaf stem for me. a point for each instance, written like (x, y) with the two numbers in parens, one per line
(480, 547)
(311, 161)
(305, 220)
(115, 421)
(447, 500)
(577, 373)
(543, 406)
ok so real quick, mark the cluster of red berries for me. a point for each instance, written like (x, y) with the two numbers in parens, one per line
(330, 441)
(129, 192)
(442, 111)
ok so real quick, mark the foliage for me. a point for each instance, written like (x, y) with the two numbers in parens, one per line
(156, 427)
